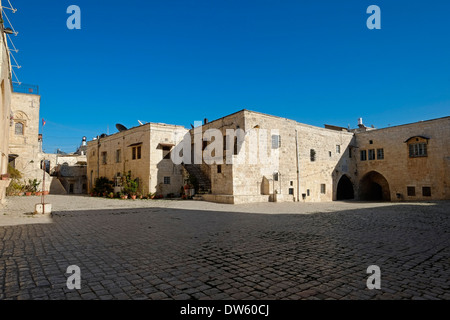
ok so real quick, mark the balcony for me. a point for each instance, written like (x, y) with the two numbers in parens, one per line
(26, 88)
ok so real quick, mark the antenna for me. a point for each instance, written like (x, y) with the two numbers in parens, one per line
(140, 122)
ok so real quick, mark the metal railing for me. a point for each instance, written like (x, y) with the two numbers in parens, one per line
(26, 88)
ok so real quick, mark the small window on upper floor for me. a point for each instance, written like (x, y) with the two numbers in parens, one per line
(371, 154)
(363, 155)
(312, 155)
(380, 154)
(104, 158)
(338, 148)
(276, 141)
(418, 150)
(19, 129)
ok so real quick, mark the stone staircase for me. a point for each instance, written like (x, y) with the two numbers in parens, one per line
(204, 184)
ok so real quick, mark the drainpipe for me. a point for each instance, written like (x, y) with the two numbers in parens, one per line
(298, 165)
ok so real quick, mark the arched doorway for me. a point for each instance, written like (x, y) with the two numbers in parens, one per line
(344, 189)
(374, 187)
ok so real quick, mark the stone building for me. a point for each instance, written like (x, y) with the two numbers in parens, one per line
(64, 173)
(248, 156)
(144, 151)
(405, 162)
(305, 164)
(5, 111)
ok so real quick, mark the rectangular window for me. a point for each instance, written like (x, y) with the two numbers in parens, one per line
(312, 155)
(349, 152)
(139, 152)
(136, 153)
(329, 154)
(291, 191)
(338, 148)
(19, 129)
(219, 168)
(380, 154)
(307, 192)
(104, 157)
(276, 141)
(323, 188)
(371, 154)
(166, 152)
(118, 156)
(224, 142)
(166, 180)
(363, 155)
(426, 191)
(275, 176)
(291, 183)
(204, 145)
(411, 191)
(418, 150)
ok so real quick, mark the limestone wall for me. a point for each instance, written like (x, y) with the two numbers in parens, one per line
(150, 168)
(402, 171)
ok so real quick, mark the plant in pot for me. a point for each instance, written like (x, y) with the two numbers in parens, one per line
(131, 186)
(111, 195)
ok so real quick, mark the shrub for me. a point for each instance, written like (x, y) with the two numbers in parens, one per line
(103, 185)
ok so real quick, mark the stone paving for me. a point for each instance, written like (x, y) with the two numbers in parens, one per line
(147, 249)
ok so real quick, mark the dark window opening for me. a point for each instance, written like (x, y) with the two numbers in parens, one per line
(323, 188)
(291, 191)
(166, 180)
(411, 191)
(363, 155)
(380, 154)
(426, 191)
(312, 155)
(372, 154)
(219, 168)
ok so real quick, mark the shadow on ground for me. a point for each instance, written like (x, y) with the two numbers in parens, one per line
(165, 253)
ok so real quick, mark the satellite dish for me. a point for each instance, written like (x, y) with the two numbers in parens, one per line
(121, 127)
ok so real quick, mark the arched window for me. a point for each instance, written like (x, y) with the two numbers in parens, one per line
(19, 129)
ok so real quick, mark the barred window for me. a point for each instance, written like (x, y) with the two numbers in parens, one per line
(166, 180)
(411, 191)
(19, 129)
(380, 154)
(363, 155)
(276, 141)
(417, 150)
(371, 154)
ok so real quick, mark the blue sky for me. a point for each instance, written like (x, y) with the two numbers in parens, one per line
(177, 61)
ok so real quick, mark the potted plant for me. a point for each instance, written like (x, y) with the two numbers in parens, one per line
(111, 195)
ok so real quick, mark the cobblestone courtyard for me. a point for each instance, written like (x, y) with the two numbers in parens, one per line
(160, 249)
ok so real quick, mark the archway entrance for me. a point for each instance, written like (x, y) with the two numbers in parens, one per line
(344, 189)
(374, 187)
